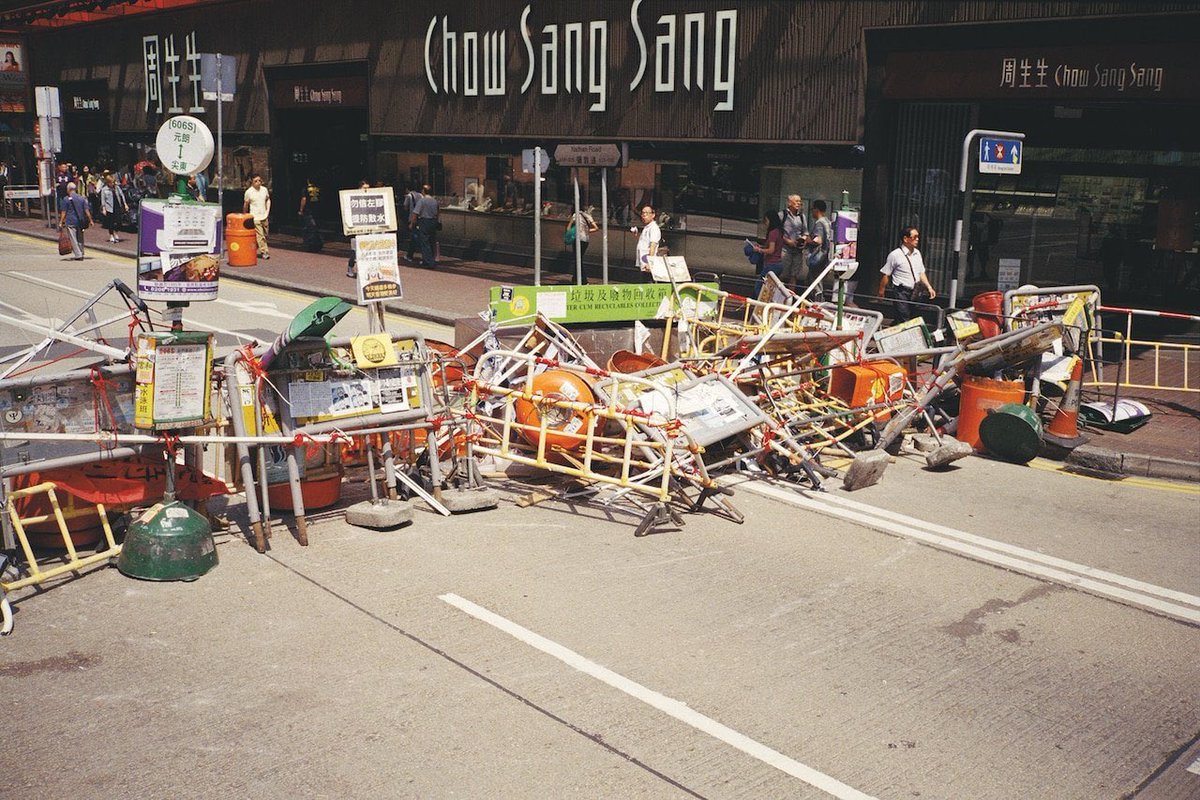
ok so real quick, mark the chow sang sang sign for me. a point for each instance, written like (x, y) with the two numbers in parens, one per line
(694, 51)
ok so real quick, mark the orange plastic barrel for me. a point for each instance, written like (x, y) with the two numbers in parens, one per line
(988, 307)
(239, 240)
(978, 395)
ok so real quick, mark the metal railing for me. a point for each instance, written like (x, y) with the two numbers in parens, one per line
(1133, 372)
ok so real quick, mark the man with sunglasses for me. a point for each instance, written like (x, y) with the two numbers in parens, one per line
(903, 271)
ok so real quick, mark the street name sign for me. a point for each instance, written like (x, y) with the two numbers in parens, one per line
(587, 155)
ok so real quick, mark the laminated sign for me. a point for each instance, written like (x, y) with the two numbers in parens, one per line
(377, 261)
(368, 210)
(172, 380)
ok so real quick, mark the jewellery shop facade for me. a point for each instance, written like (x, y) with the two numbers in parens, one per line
(726, 108)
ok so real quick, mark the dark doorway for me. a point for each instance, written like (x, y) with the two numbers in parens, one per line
(328, 146)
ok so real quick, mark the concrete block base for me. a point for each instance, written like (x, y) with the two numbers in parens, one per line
(459, 501)
(866, 470)
(380, 515)
(951, 450)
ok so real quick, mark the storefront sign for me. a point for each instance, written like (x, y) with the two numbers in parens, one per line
(328, 92)
(568, 59)
(616, 302)
(161, 59)
(368, 210)
(1087, 72)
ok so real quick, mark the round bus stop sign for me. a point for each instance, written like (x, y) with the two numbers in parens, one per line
(185, 145)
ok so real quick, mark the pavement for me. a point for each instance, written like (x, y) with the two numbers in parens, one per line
(1168, 447)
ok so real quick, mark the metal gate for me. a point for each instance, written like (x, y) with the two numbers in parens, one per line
(925, 177)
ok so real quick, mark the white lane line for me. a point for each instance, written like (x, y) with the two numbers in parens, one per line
(667, 705)
(1178, 605)
(1031, 555)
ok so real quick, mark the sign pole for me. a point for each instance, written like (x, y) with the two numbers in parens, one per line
(220, 145)
(537, 216)
(962, 232)
(578, 221)
(604, 214)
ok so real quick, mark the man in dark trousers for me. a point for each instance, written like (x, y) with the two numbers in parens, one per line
(74, 215)
(310, 203)
(424, 223)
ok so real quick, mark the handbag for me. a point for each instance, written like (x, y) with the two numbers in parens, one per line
(569, 236)
(64, 241)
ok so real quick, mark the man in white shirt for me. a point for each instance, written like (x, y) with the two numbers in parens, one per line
(903, 270)
(647, 244)
(258, 205)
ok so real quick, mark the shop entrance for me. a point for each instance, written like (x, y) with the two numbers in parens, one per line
(327, 146)
(319, 130)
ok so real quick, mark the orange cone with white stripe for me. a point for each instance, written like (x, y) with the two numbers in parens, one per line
(1063, 430)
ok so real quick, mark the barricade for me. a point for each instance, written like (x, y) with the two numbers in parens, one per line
(330, 396)
(1135, 373)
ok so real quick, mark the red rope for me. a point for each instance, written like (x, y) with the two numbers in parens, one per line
(100, 399)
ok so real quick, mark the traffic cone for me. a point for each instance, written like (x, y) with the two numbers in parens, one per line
(1063, 430)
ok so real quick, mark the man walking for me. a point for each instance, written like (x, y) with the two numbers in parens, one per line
(258, 205)
(424, 223)
(649, 239)
(902, 271)
(75, 216)
(410, 203)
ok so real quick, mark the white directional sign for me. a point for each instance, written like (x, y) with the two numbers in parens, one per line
(527, 160)
(587, 155)
(185, 145)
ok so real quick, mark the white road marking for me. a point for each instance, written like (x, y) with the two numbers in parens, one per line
(1169, 602)
(260, 307)
(1194, 767)
(667, 705)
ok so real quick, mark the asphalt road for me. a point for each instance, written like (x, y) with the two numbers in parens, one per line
(990, 631)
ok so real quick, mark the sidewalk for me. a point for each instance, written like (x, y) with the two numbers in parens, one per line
(1167, 447)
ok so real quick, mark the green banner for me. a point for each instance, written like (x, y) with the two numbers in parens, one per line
(614, 302)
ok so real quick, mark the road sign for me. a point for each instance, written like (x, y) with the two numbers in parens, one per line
(1000, 156)
(184, 144)
(527, 161)
(208, 76)
(587, 155)
(46, 102)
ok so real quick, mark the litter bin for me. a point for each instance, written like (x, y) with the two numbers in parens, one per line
(240, 240)
(988, 307)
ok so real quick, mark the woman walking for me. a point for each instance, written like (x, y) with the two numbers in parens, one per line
(113, 207)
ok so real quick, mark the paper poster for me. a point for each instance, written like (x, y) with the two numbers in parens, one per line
(377, 260)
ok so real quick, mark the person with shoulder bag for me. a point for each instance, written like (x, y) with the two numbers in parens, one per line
(903, 273)
(74, 217)
(818, 250)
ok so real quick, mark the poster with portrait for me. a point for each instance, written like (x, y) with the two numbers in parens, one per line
(14, 77)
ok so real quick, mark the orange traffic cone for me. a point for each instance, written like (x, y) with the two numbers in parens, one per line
(1063, 430)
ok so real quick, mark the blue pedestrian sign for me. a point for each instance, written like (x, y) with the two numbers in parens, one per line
(1000, 156)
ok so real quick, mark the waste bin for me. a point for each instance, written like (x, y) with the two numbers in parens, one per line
(988, 307)
(240, 240)
(977, 396)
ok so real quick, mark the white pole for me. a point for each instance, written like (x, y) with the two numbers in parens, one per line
(962, 226)
(220, 145)
(578, 223)
(537, 216)
(604, 214)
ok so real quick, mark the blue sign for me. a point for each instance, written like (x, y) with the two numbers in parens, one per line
(1000, 156)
